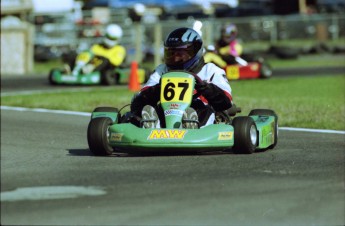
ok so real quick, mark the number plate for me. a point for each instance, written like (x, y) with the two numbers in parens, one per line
(233, 72)
(176, 89)
(84, 57)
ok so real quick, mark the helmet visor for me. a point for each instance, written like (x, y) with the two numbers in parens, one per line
(112, 38)
(175, 56)
(109, 42)
(230, 37)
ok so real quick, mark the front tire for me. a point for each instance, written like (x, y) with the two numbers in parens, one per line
(268, 112)
(106, 109)
(97, 136)
(50, 76)
(245, 135)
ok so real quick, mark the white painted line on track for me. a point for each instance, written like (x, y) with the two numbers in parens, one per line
(45, 110)
(32, 92)
(50, 192)
(70, 90)
(312, 130)
(89, 114)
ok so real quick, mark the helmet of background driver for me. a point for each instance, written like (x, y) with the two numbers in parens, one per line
(229, 32)
(183, 50)
(113, 34)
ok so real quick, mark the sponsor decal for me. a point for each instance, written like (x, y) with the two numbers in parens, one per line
(225, 135)
(167, 134)
(95, 78)
(117, 137)
(262, 118)
(173, 112)
(267, 135)
(273, 128)
(255, 67)
(69, 78)
(174, 106)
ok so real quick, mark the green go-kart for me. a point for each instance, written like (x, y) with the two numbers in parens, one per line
(85, 73)
(242, 134)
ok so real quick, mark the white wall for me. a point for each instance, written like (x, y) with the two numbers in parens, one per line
(52, 6)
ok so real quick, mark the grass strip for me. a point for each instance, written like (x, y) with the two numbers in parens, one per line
(306, 102)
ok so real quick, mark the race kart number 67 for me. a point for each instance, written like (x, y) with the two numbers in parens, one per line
(176, 90)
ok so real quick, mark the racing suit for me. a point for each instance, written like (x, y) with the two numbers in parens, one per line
(212, 85)
(228, 51)
(233, 48)
(115, 55)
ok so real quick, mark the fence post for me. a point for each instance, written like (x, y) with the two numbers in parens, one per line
(157, 44)
(274, 30)
(335, 27)
(209, 37)
(138, 42)
(321, 32)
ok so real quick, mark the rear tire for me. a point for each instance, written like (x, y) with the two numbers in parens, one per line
(245, 135)
(108, 78)
(97, 136)
(265, 71)
(268, 112)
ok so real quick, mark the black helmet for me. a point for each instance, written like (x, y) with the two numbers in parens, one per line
(183, 50)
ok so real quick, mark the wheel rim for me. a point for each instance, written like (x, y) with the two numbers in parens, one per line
(107, 133)
(266, 71)
(253, 135)
(110, 78)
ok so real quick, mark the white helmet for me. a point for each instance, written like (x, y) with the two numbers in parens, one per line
(113, 34)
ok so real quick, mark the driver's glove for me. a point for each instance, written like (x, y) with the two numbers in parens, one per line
(214, 95)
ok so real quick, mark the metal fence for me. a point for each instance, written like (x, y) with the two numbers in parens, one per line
(142, 38)
(270, 29)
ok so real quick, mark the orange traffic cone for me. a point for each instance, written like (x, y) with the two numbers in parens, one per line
(134, 84)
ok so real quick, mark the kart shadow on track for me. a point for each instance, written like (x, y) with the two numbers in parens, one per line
(87, 152)
(79, 152)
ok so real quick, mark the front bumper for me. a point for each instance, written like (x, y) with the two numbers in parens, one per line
(212, 137)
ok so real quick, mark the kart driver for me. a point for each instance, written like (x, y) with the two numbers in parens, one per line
(183, 50)
(110, 50)
(227, 47)
(111, 53)
(228, 43)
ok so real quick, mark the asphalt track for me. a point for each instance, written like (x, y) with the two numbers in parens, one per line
(300, 182)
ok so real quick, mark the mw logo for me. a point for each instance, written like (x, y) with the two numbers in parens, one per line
(166, 134)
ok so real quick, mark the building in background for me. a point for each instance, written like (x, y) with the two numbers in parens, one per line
(17, 37)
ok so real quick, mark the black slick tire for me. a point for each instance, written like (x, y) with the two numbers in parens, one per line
(245, 135)
(97, 136)
(108, 78)
(50, 76)
(265, 70)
